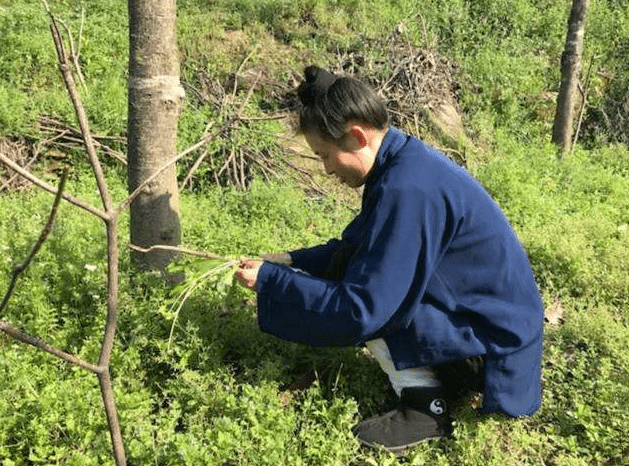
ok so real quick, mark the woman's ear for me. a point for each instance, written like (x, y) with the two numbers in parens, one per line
(359, 135)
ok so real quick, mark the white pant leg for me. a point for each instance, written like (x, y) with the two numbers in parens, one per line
(414, 377)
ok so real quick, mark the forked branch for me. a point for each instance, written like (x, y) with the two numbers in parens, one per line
(109, 216)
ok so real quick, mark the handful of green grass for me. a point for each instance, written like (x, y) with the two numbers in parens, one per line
(217, 270)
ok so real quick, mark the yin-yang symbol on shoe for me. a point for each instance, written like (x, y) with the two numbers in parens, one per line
(438, 406)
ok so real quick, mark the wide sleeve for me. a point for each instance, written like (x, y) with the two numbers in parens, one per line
(395, 255)
(316, 260)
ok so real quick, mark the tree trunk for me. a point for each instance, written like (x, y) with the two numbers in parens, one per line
(155, 101)
(570, 67)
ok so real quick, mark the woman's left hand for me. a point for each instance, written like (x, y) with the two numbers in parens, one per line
(247, 273)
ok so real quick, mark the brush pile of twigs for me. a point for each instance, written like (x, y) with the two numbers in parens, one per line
(48, 154)
(22, 153)
(609, 122)
(240, 147)
(64, 137)
(412, 80)
(235, 147)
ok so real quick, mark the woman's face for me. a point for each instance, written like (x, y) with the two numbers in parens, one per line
(350, 164)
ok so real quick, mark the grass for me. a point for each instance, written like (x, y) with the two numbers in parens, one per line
(215, 393)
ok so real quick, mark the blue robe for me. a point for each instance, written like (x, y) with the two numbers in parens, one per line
(437, 272)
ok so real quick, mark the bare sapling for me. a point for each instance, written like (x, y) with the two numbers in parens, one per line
(109, 214)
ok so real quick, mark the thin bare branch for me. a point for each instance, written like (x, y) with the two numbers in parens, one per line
(584, 96)
(242, 64)
(227, 163)
(249, 94)
(243, 181)
(66, 71)
(193, 169)
(312, 183)
(204, 140)
(302, 154)
(234, 167)
(10, 180)
(124, 204)
(73, 52)
(39, 343)
(206, 137)
(205, 255)
(217, 181)
(279, 116)
(78, 47)
(46, 7)
(67, 134)
(51, 189)
(18, 269)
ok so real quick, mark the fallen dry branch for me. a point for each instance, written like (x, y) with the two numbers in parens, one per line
(416, 83)
(413, 81)
(234, 162)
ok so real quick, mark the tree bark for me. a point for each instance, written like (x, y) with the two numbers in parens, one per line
(155, 102)
(570, 67)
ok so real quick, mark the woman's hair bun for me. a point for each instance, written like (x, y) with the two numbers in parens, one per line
(317, 82)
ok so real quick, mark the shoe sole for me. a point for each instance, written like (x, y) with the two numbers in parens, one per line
(399, 451)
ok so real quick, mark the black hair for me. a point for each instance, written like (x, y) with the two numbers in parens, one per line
(330, 102)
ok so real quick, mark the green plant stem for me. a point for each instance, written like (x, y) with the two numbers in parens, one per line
(183, 297)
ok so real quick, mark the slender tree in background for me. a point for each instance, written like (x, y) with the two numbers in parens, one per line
(570, 67)
(155, 101)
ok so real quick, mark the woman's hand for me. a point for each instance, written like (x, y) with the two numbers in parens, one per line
(247, 273)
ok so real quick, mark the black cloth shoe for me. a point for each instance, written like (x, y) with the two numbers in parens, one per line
(422, 414)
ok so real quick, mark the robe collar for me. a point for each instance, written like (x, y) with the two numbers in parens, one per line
(393, 141)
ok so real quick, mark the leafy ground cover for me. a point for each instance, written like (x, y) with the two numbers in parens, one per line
(216, 391)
